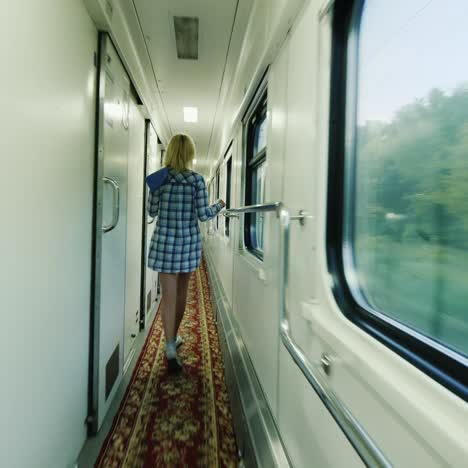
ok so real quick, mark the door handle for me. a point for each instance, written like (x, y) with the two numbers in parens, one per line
(115, 204)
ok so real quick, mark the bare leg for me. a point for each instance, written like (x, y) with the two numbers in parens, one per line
(168, 304)
(182, 288)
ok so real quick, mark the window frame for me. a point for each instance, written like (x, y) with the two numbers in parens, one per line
(257, 113)
(226, 166)
(439, 362)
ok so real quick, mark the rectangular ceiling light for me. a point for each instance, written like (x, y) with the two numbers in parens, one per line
(186, 34)
(190, 114)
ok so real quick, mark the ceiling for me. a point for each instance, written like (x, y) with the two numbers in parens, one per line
(185, 82)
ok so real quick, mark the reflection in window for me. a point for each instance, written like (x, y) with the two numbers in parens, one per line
(228, 193)
(410, 226)
(260, 136)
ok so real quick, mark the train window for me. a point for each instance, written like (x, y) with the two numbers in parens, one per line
(255, 176)
(228, 193)
(210, 192)
(403, 140)
(217, 196)
(211, 199)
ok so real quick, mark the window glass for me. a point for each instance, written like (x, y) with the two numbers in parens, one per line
(217, 197)
(228, 193)
(408, 221)
(260, 137)
(258, 198)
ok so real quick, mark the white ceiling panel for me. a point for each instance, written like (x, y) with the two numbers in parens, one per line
(187, 82)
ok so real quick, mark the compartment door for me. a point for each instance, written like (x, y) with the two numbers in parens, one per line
(111, 231)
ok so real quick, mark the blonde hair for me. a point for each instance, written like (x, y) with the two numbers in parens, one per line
(180, 152)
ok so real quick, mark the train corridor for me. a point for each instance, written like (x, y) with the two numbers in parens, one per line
(326, 326)
(181, 419)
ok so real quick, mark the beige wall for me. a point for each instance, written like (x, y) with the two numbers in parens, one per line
(46, 193)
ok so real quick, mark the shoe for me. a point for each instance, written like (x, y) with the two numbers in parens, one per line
(174, 365)
(173, 362)
(179, 341)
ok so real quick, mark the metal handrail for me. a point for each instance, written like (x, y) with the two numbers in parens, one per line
(264, 207)
(370, 454)
(365, 447)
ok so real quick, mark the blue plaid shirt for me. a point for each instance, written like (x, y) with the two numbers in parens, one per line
(179, 203)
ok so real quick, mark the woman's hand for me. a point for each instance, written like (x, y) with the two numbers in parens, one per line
(221, 202)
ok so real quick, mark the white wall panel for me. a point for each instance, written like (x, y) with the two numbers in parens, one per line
(276, 136)
(46, 188)
(311, 436)
(300, 162)
(266, 31)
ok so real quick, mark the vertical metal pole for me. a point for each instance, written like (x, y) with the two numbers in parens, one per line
(144, 231)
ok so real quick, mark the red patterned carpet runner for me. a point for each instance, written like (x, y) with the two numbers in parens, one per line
(181, 420)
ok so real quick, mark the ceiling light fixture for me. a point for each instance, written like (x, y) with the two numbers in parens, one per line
(190, 114)
(194, 161)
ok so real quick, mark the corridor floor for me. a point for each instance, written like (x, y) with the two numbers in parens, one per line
(180, 420)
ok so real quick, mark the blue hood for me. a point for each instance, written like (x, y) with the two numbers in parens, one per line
(158, 178)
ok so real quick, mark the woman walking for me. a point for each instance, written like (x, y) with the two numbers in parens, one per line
(178, 197)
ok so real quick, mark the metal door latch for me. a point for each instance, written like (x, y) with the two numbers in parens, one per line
(326, 362)
(230, 215)
(301, 217)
